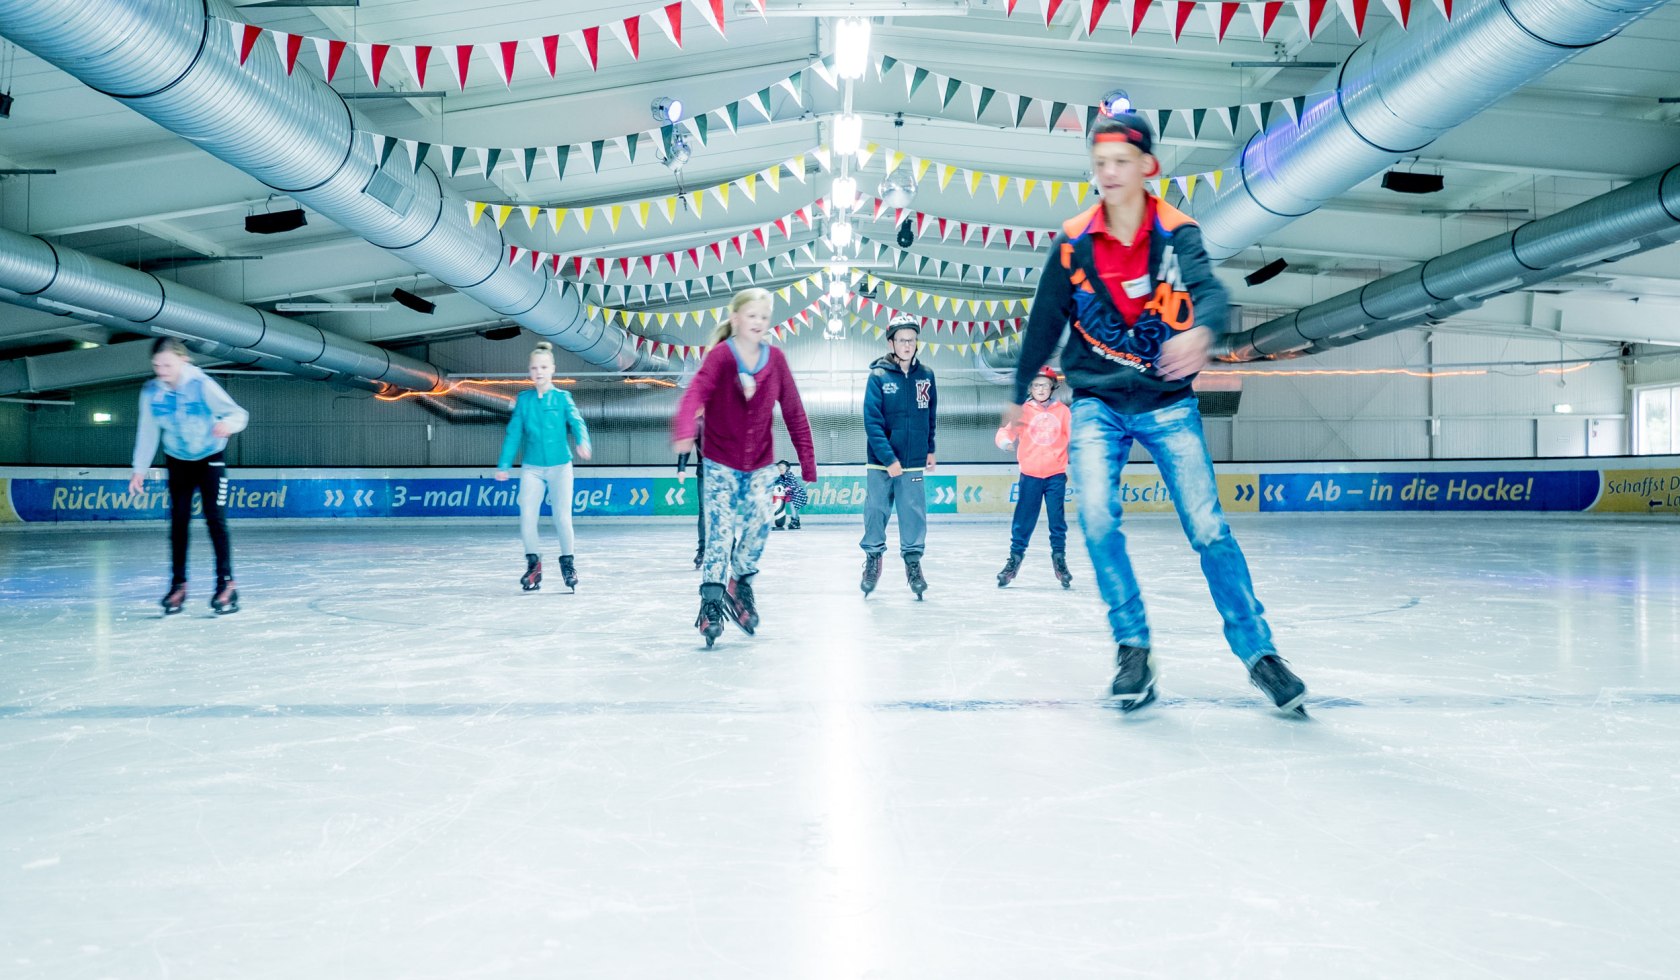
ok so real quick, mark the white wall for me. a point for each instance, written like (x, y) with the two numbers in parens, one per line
(1496, 412)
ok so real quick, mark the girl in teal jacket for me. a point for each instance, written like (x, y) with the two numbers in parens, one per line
(543, 419)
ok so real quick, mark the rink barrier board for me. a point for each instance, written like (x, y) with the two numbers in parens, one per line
(1647, 485)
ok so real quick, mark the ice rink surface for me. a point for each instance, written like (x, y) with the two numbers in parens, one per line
(392, 763)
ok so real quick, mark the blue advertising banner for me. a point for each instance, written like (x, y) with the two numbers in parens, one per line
(1569, 490)
(1642, 485)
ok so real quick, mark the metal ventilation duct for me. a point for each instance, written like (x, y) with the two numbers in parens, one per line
(55, 279)
(169, 61)
(1638, 217)
(1393, 96)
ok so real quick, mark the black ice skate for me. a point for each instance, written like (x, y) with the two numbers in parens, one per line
(741, 606)
(1274, 678)
(226, 599)
(793, 525)
(176, 598)
(1058, 562)
(531, 581)
(568, 574)
(712, 612)
(913, 575)
(1010, 569)
(871, 573)
(1134, 677)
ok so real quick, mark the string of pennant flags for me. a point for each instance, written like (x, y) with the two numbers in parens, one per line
(504, 55)
(922, 299)
(1018, 107)
(559, 156)
(724, 283)
(1220, 13)
(374, 57)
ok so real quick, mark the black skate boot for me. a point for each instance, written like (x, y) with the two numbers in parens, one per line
(871, 573)
(1058, 562)
(176, 598)
(226, 599)
(793, 523)
(531, 581)
(712, 612)
(913, 575)
(1271, 674)
(568, 574)
(1010, 569)
(1134, 677)
(741, 607)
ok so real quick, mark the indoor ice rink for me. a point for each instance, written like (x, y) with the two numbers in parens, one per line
(1442, 415)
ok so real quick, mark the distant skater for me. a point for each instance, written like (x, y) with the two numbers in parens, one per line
(193, 417)
(545, 423)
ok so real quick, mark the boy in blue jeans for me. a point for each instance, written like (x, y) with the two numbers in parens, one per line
(1131, 279)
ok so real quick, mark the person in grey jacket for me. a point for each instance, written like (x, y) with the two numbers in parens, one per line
(900, 406)
(192, 416)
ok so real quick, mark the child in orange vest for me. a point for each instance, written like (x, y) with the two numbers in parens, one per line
(1041, 441)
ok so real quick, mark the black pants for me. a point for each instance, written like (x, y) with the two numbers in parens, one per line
(208, 476)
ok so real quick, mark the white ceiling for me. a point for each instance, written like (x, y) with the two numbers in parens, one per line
(128, 191)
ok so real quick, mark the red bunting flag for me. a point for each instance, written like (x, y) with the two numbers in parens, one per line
(1139, 11)
(1185, 9)
(460, 62)
(591, 45)
(331, 53)
(633, 36)
(247, 39)
(1096, 9)
(510, 51)
(1226, 12)
(673, 22)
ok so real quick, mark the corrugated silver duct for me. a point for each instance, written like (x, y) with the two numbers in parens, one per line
(1638, 217)
(1393, 96)
(169, 61)
(48, 277)
(444, 409)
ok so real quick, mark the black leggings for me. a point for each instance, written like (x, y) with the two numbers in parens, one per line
(208, 476)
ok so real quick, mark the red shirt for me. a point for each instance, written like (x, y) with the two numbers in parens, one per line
(737, 427)
(1121, 262)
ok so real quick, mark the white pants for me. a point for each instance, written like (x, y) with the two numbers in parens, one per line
(557, 482)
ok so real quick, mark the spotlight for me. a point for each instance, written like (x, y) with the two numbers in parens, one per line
(1402, 182)
(667, 111)
(907, 233)
(848, 133)
(501, 333)
(5, 105)
(1116, 102)
(851, 46)
(1266, 273)
(834, 329)
(844, 194)
(677, 154)
(275, 222)
(836, 288)
(412, 301)
(840, 235)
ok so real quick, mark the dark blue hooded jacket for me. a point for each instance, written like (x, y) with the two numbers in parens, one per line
(898, 414)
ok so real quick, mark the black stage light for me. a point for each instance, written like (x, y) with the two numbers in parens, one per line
(501, 333)
(906, 233)
(5, 105)
(1266, 273)
(1402, 182)
(275, 222)
(412, 301)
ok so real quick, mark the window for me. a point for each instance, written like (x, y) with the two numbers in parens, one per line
(1656, 412)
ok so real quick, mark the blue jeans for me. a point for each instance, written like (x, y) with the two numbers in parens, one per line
(1102, 439)
(1051, 492)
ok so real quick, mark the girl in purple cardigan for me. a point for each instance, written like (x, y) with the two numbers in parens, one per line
(741, 381)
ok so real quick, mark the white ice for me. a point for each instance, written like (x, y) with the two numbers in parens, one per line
(392, 763)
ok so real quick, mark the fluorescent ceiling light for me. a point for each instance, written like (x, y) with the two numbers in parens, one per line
(851, 47)
(840, 235)
(855, 8)
(844, 194)
(331, 307)
(848, 133)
